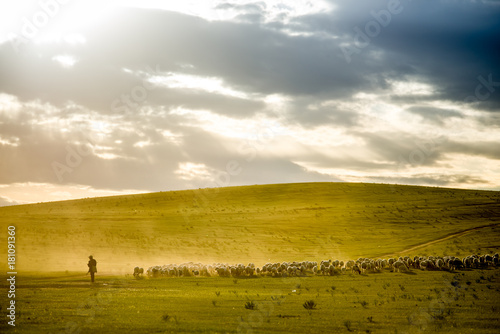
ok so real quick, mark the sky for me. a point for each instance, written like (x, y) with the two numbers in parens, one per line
(104, 98)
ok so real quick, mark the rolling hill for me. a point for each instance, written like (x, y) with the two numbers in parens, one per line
(254, 224)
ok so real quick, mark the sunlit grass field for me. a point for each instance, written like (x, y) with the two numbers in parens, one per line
(259, 224)
(283, 222)
(420, 302)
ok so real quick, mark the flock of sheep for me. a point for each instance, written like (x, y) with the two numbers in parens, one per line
(325, 267)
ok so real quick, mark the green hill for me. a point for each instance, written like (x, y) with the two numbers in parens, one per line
(254, 224)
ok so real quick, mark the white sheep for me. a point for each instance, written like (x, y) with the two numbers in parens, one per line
(138, 271)
(400, 266)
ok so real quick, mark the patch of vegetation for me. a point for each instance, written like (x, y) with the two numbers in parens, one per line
(348, 324)
(250, 305)
(310, 305)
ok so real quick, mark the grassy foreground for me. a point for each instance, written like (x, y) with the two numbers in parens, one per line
(283, 222)
(420, 302)
(259, 224)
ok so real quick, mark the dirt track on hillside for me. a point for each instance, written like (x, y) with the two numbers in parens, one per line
(450, 236)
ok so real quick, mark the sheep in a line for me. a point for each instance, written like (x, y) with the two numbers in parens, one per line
(325, 267)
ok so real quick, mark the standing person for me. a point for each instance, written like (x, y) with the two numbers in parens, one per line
(92, 267)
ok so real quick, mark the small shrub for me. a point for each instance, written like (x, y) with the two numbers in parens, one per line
(217, 293)
(214, 303)
(364, 303)
(277, 299)
(309, 305)
(347, 324)
(165, 317)
(250, 305)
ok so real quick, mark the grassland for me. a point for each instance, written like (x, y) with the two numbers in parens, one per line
(282, 222)
(285, 222)
(422, 302)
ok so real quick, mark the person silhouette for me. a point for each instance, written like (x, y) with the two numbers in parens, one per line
(92, 267)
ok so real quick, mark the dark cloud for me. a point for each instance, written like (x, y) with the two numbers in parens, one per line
(489, 121)
(433, 180)
(450, 49)
(434, 115)
(248, 57)
(457, 42)
(477, 148)
(404, 149)
(250, 13)
(268, 170)
(308, 112)
(249, 7)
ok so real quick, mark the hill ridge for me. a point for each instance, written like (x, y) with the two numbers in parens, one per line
(257, 223)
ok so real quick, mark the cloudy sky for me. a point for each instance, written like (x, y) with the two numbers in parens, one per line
(109, 97)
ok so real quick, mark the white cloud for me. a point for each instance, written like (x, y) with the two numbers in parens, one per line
(410, 87)
(107, 156)
(143, 143)
(31, 192)
(187, 81)
(214, 10)
(256, 128)
(194, 172)
(12, 141)
(65, 61)
(10, 106)
(172, 137)
(52, 21)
